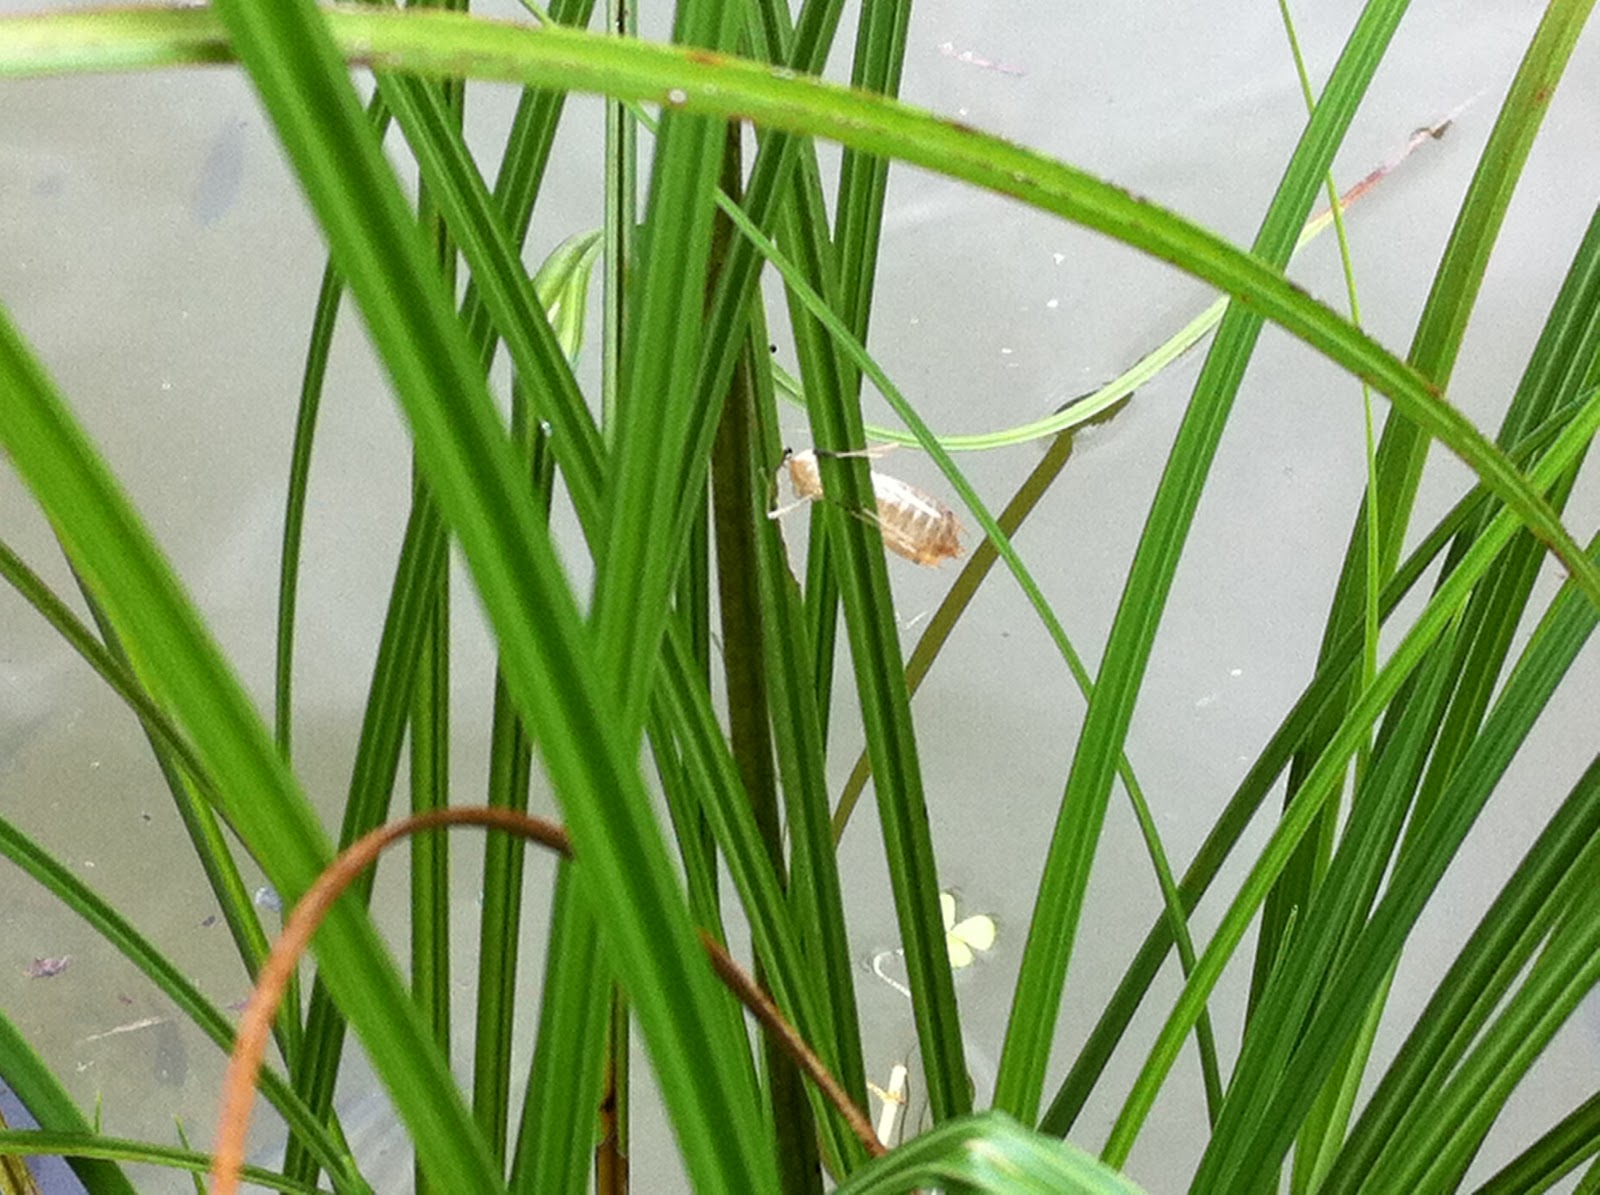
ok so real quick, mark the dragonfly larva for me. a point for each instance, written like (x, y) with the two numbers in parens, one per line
(914, 524)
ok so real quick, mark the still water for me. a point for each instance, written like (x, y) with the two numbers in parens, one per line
(158, 254)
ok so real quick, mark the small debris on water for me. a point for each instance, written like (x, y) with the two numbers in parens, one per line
(47, 968)
(949, 50)
(266, 897)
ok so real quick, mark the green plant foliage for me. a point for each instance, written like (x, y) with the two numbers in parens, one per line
(669, 468)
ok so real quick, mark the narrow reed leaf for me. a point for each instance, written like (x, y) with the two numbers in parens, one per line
(449, 44)
(48, 1103)
(988, 1152)
(1320, 696)
(1061, 890)
(689, 1023)
(83, 1146)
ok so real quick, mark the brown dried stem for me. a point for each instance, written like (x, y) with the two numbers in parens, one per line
(238, 1089)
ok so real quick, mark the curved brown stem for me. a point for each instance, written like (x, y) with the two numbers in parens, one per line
(761, 1006)
(238, 1088)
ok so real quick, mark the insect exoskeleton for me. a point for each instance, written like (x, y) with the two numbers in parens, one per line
(914, 524)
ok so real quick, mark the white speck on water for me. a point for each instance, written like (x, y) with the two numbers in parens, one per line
(1052, 304)
(166, 385)
(1236, 672)
(1060, 257)
(1005, 352)
(266, 897)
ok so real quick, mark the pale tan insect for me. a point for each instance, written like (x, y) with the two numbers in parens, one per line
(914, 524)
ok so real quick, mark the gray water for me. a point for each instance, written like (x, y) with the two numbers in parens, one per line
(158, 255)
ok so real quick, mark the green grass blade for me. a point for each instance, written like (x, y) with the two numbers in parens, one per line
(429, 737)
(556, 1138)
(988, 1152)
(48, 1102)
(84, 1146)
(738, 509)
(212, 850)
(689, 1024)
(161, 971)
(1567, 1145)
(1318, 698)
(1321, 783)
(576, 442)
(372, 777)
(450, 44)
(313, 375)
(1438, 1150)
(1045, 957)
(186, 672)
(1463, 679)
(1437, 340)
(1506, 936)
(636, 569)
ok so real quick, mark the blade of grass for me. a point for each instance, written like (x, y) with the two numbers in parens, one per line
(988, 1152)
(429, 737)
(314, 373)
(1434, 347)
(60, 881)
(1465, 674)
(1253, 790)
(576, 442)
(262, 802)
(83, 1146)
(33, 1082)
(689, 1025)
(1439, 613)
(1567, 1145)
(449, 44)
(1438, 1150)
(1050, 936)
